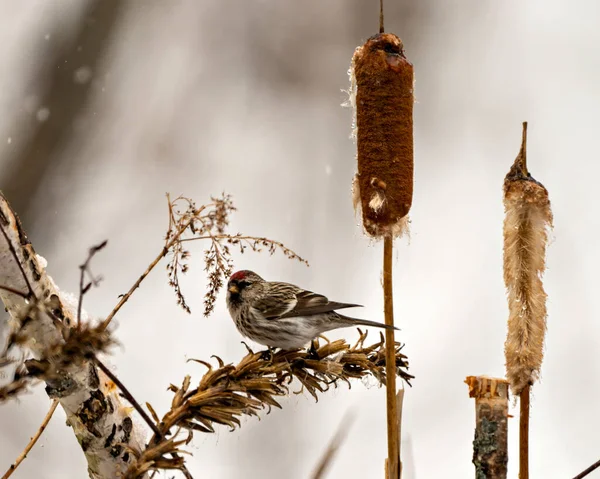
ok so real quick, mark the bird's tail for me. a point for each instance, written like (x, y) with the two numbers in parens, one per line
(364, 322)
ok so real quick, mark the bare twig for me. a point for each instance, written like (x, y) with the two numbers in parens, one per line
(128, 396)
(93, 281)
(14, 291)
(334, 445)
(11, 248)
(33, 440)
(584, 473)
(381, 29)
(150, 267)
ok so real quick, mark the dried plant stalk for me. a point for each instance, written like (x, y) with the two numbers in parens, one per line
(490, 452)
(393, 420)
(226, 394)
(382, 94)
(528, 218)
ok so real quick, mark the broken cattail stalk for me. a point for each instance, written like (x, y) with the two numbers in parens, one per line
(490, 453)
(399, 406)
(528, 218)
(382, 95)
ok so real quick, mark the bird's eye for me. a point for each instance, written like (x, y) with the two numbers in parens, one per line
(391, 48)
(243, 284)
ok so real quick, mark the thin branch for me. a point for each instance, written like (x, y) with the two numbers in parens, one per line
(156, 260)
(14, 291)
(14, 254)
(129, 397)
(381, 29)
(33, 440)
(85, 268)
(592, 468)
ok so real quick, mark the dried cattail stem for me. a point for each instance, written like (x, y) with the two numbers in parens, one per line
(393, 420)
(382, 93)
(528, 218)
(524, 400)
(490, 453)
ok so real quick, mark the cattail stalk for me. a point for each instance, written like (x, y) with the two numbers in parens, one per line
(528, 218)
(490, 446)
(393, 423)
(382, 94)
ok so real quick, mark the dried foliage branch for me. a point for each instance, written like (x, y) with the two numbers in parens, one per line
(226, 394)
(528, 218)
(187, 222)
(210, 222)
(42, 323)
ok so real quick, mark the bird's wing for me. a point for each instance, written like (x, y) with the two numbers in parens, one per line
(288, 301)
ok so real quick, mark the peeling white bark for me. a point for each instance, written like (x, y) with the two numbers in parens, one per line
(99, 418)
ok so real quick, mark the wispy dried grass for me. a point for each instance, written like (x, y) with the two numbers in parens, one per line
(187, 222)
(209, 222)
(230, 392)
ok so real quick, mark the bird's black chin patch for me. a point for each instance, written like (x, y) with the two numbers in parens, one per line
(235, 299)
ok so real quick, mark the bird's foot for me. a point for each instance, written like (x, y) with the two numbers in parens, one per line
(267, 355)
(312, 351)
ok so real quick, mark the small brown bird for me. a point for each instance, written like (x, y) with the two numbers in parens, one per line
(282, 315)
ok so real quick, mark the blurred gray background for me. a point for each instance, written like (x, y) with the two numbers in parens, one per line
(107, 105)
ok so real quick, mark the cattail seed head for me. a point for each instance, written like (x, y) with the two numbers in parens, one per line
(528, 218)
(382, 94)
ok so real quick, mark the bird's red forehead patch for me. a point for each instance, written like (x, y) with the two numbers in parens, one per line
(238, 275)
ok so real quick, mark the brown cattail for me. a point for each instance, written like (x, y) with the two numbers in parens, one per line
(382, 94)
(490, 452)
(526, 224)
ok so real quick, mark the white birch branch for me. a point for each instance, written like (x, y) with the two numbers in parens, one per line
(102, 423)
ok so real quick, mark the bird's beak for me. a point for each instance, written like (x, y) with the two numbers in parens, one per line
(233, 289)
